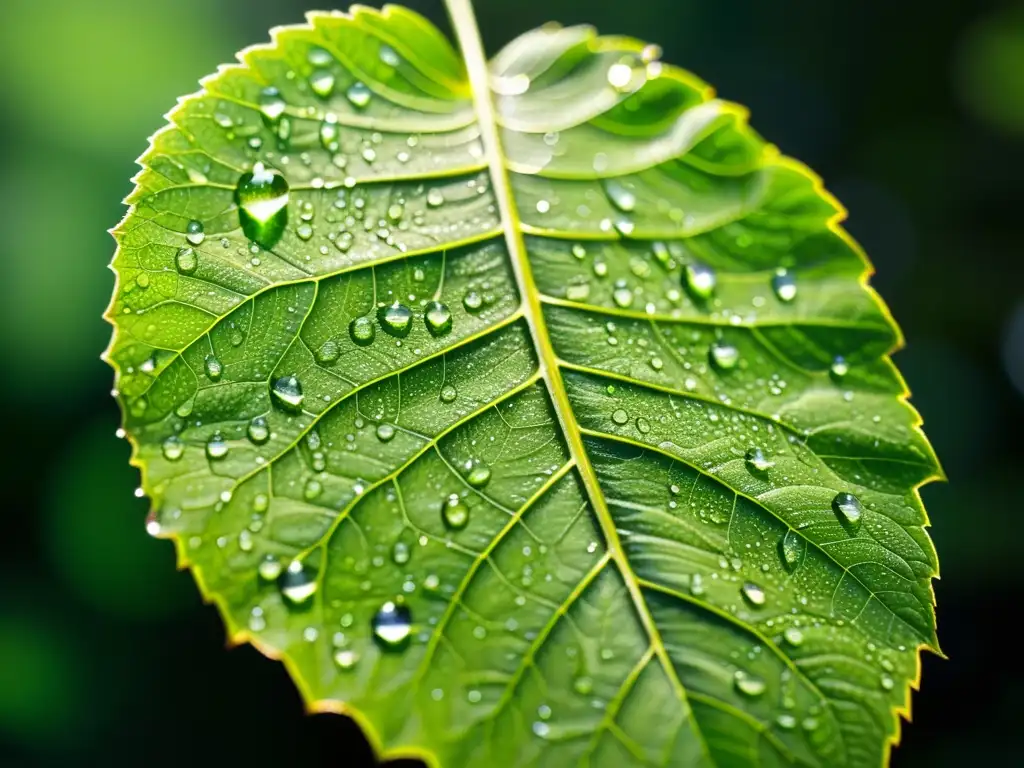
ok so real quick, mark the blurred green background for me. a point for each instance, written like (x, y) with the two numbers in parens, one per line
(913, 111)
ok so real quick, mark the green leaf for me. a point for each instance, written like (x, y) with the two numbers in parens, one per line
(547, 425)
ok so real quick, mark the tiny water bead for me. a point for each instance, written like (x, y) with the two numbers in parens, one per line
(849, 510)
(438, 318)
(213, 368)
(286, 392)
(479, 476)
(194, 232)
(186, 260)
(784, 285)
(392, 625)
(262, 198)
(724, 356)
(396, 319)
(757, 461)
(839, 367)
(216, 447)
(173, 448)
(359, 95)
(791, 549)
(298, 583)
(748, 684)
(258, 431)
(362, 330)
(753, 594)
(455, 513)
(385, 432)
(448, 393)
(699, 280)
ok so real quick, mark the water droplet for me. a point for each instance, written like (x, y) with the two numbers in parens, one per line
(753, 593)
(699, 280)
(455, 513)
(791, 548)
(643, 426)
(358, 94)
(186, 260)
(312, 489)
(362, 330)
(142, 280)
(400, 553)
(784, 285)
(583, 685)
(298, 583)
(392, 626)
(809, 724)
(269, 568)
(385, 432)
(541, 729)
(622, 296)
(438, 318)
(724, 356)
(620, 196)
(173, 448)
(389, 56)
(757, 461)
(258, 430)
(213, 368)
(216, 447)
(887, 683)
(435, 198)
(328, 353)
(472, 301)
(194, 232)
(619, 416)
(793, 636)
(262, 198)
(479, 476)
(786, 722)
(322, 82)
(839, 367)
(396, 319)
(748, 685)
(848, 509)
(620, 76)
(345, 658)
(286, 393)
(272, 106)
(260, 502)
(448, 393)
(543, 206)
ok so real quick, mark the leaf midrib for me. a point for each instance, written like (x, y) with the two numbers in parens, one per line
(468, 36)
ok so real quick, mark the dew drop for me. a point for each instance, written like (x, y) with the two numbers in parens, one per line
(622, 296)
(396, 319)
(438, 318)
(839, 367)
(286, 393)
(345, 658)
(385, 432)
(479, 476)
(213, 368)
(258, 430)
(186, 260)
(748, 685)
(269, 568)
(791, 549)
(793, 636)
(271, 104)
(849, 510)
(392, 626)
(699, 280)
(753, 593)
(322, 82)
(724, 356)
(619, 416)
(448, 393)
(298, 583)
(400, 553)
(620, 76)
(358, 94)
(262, 198)
(786, 722)
(620, 196)
(784, 286)
(472, 301)
(328, 353)
(886, 683)
(757, 461)
(643, 426)
(173, 448)
(312, 489)
(194, 232)
(583, 685)
(362, 330)
(455, 513)
(389, 56)
(435, 198)
(216, 447)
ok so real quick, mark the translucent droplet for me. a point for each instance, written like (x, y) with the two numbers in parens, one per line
(621, 197)
(784, 285)
(287, 394)
(216, 447)
(435, 198)
(173, 448)
(887, 683)
(620, 76)
(312, 489)
(400, 553)
(619, 416)
(448, 393)
(455, 513)
(269, 568)
(194, 232)
(793, 636)
(345, 658)
(298, 583)
(272, 106)
(839, 367)
(791, 548)
(757, 461)
(700, 280)
(479, 476)
(213, 368)
(385, 432)
(392, 626)
(396, 319)
(389, 56)
(328, 353)
(322, 82)
(848, 509)
(362, 330)
(186, 260)
(472, 301)
(724, 356)
(262, 198)
(753, 593)
(643, 426)
(438, 318)
(748, 685)
(622, 296)
(258, 430)
(786, 722)
(583, 685)
(358, 94)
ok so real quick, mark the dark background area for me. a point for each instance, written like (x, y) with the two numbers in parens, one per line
(911, 110)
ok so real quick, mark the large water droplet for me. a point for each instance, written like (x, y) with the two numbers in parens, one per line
(622, 296)
(619, 416)
(194, 232)
(448, 393)
(269, 568)
(753, 593)
(362, 330)
(724, 356)
(392, 626)
(298, 583)
(438, 318)
(784, 285)
(262, 198)
(793, 636)
(358, 94)
(791, 549)
(479, 476)
(757, 461)
(849, 510)
(699, 280)
(385, 432)
(216, 447)
(454, 512)
(186, 260)
(287, 394)
(435, 198)
(748, 684)
(472, 301)
(396, 319)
